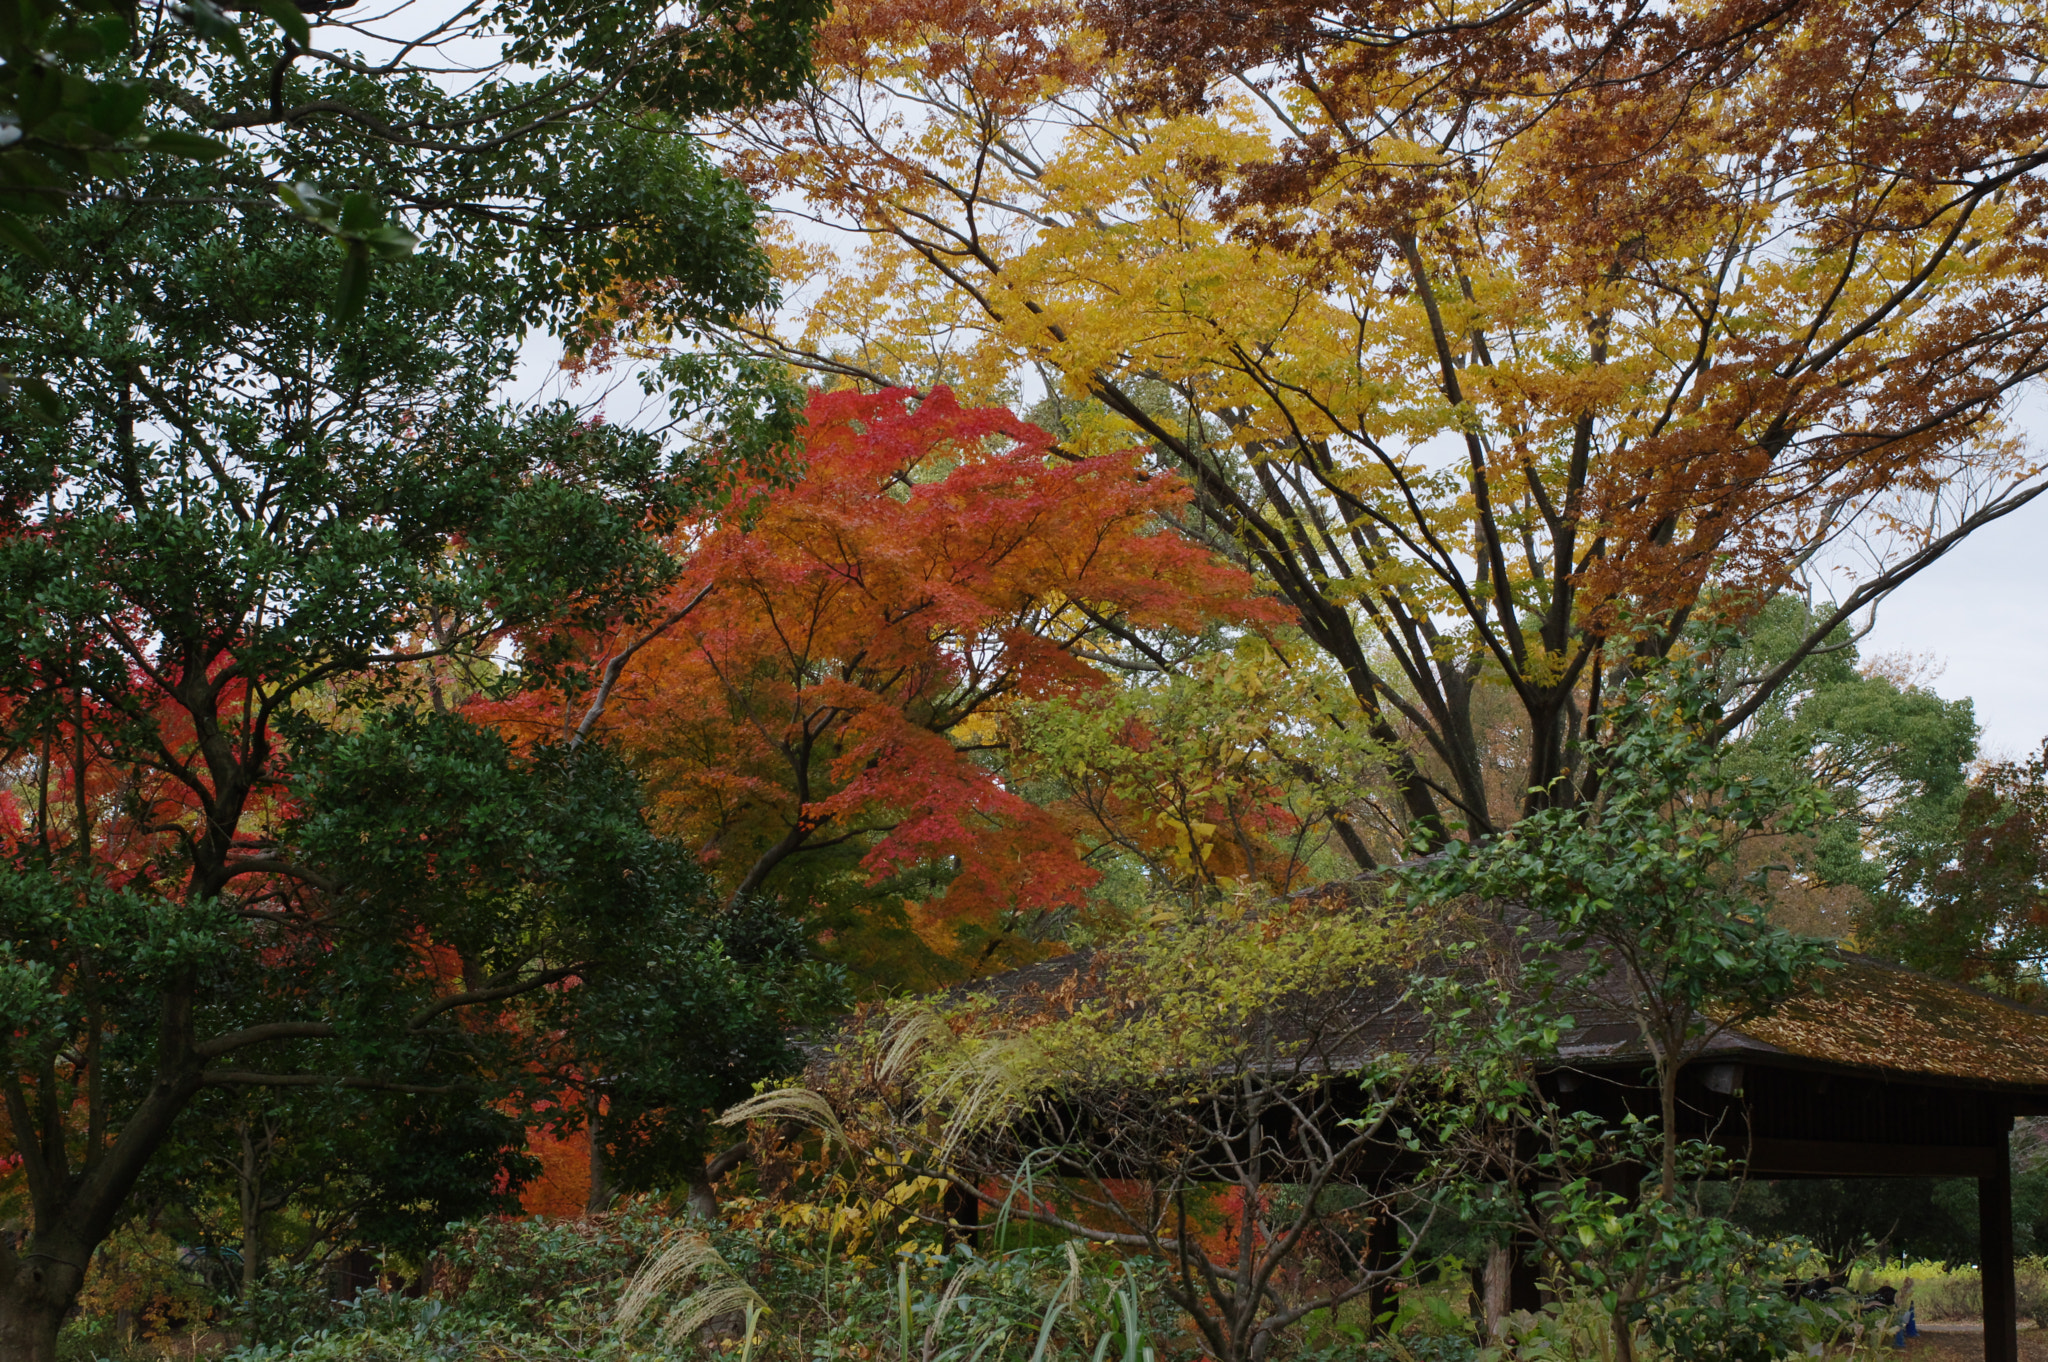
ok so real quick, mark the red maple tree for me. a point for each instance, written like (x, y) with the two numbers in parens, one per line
(821, 700)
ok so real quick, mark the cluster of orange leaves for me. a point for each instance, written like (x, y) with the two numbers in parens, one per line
(859, 633)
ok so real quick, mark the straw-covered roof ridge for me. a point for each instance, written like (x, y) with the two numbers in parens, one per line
(1859, 1013)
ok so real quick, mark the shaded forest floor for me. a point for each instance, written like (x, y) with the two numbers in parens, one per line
(1951, 1342)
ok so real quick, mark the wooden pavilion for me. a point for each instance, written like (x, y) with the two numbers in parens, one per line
(1883, 1072)
(1879, 1072)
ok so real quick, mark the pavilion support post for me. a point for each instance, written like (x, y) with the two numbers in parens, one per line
(1994, 1257)
(1525, 1274)
(1525, 1260)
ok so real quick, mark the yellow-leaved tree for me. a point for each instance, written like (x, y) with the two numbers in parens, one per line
(1507, 343)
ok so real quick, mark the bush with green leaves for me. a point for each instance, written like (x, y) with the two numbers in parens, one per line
(534, 1287)
(289, 1302)
(529, 1272)
(920, 1302)
(1631, 902)
(559, 1290)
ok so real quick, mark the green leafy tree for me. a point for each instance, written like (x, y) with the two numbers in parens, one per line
(1632, 903)
(253, 554)
(261, 1175)
(558, 149)
(1892, 756)
(1640, 888)
(1974, 905)
(664, 1026)
(68, 119)
(1912, 1218)
(676, 1026)
(1928, 861)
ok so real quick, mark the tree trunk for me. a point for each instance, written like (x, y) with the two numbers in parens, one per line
(34, 1295)
(1494, 1282)
(1624, 1337)
(42, 1271)
(28, 1329)
(704, 1187)
(1546, 755)
(252, 1253)
(254, 1157)
(600, 1195)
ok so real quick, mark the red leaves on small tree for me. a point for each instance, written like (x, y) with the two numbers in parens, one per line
(1974, 906)
(826, 703)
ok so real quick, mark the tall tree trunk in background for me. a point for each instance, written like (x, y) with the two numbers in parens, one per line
(600, 1185)
(704, 1187)
(249, 1187)
(1493, 1299)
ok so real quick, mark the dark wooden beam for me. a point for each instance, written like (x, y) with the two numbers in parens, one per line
(1525, 1274)
(1994, 1261)
(1768, 1158)
(1382, 1249)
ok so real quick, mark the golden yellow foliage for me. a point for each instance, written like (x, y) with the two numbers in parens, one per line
(1502, 343)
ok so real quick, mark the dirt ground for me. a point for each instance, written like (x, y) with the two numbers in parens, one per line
(1965, 1343)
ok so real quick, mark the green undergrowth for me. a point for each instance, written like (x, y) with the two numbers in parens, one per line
(541, 1291)
(923, 1304)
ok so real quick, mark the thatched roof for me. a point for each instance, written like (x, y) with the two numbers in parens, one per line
(1882, 1018)
(1862, 1015)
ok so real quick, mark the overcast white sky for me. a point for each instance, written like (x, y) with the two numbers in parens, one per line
(1980, 612)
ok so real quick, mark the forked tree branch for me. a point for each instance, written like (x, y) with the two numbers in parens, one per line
(612, 669)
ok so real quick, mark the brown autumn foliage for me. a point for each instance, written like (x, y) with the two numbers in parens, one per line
(1508, 343)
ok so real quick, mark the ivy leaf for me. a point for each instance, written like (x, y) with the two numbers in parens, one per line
(177, 142)
(18, 236)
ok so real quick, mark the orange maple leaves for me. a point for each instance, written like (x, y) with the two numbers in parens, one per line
(836, 689)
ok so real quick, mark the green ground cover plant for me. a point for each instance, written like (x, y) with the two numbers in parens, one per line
(781, 1285)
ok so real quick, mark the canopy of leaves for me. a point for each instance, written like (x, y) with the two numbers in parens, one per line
(562, 156)
(1892, 756)
(1498, 340)
(1974, 905)
(1213, 771)
(253, 548)
(818, 723)
(1933, 859)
